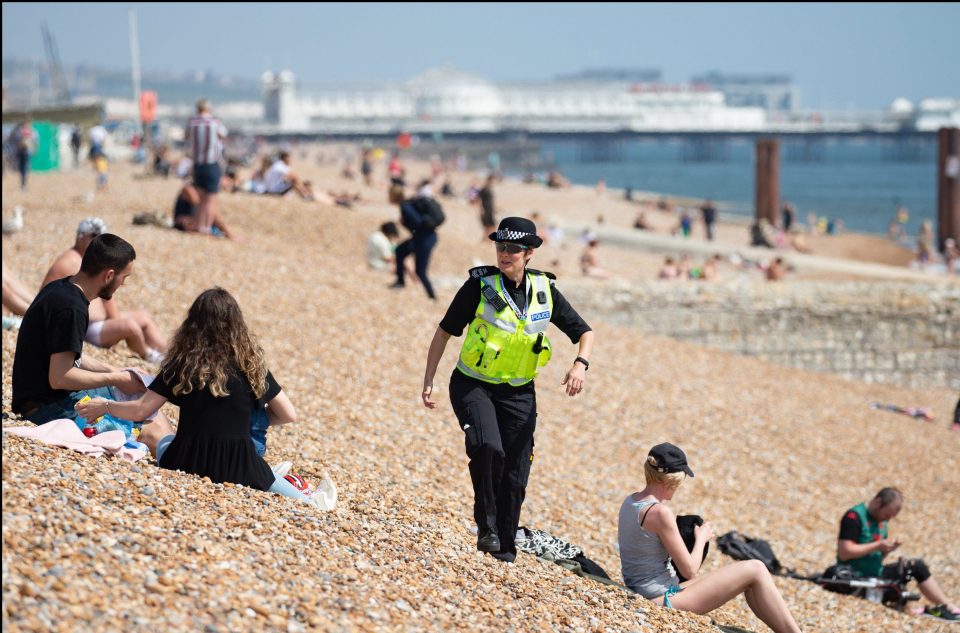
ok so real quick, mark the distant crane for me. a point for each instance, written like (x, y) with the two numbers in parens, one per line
(59, 79)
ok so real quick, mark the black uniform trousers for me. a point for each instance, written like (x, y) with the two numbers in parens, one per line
(498, 422)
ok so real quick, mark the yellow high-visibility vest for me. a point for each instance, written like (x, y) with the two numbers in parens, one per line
(503, 346)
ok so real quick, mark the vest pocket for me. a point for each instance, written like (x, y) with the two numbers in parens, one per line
(546, 353)
(489, 360)
(470, 354)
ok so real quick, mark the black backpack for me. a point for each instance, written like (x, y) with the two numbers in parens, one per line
(431, 213)
(739, 547)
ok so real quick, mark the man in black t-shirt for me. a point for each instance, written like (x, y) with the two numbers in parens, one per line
(50, 374)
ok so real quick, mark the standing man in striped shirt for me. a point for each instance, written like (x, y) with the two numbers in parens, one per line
(205, 135)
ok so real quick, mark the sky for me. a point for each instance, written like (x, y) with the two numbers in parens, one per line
(840, 56)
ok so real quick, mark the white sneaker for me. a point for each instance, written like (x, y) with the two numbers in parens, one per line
(325, 496)
(281, 469)
(154, 356)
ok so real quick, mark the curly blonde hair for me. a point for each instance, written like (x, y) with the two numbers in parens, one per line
(211, 340)
(654, 476)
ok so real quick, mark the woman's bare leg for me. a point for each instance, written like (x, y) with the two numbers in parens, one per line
(714, 589)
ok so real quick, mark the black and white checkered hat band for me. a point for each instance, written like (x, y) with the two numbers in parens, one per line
(511, 236)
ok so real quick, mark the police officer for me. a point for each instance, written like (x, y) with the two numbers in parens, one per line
(506, 309)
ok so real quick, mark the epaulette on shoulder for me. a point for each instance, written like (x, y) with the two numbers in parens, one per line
(549, 275)
(483, 271)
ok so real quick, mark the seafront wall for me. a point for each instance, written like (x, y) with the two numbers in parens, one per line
(902, 333)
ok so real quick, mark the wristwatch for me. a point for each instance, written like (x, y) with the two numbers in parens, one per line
(584, 361)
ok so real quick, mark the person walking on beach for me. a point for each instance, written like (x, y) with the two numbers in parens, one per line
(787, 216)
(487, 208)
(925, 244)
(204, 136)
(217, 375)
(76, 139)
(50, 372)
(685, 223)
(366, 167)
(709, 213)
(648, 538)
(505, 309)
(423, 226)
(23, 141)
(98, 138)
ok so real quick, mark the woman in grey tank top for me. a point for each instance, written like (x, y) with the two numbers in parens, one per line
(649, 539)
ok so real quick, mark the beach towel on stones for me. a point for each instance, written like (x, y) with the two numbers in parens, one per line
(66, 434)
(741, 547)
(540, 543)
(550, 548)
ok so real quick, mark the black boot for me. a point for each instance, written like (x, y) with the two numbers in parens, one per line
(488, 541)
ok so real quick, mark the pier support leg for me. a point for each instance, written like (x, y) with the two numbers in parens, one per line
(948, 191)
(767, 186)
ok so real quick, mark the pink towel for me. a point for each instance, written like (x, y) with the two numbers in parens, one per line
(64, 432)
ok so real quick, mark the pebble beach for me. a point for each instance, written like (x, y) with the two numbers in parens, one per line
(105, 545)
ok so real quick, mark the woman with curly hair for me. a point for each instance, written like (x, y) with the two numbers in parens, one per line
(215, 372)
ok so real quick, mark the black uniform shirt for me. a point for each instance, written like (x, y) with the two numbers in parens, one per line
(463, 308)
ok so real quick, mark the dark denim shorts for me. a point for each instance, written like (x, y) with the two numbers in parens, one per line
(64, 408)
(207, 177)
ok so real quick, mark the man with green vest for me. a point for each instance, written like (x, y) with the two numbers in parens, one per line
(864, 543)
(505, 309)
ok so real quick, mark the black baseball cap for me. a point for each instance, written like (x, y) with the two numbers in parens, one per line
(670, 459)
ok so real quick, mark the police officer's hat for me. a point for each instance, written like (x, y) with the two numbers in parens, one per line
(517, 230)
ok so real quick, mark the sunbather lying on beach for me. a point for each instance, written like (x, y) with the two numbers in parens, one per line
(216, 373)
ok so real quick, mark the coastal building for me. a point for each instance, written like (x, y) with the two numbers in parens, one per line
(449, 100)
(767, 91)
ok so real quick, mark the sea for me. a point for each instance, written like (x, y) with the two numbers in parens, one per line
(859, 181)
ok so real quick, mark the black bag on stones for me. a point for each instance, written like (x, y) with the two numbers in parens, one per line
(739, 547)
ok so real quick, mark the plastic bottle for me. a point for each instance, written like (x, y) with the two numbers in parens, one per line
(110, 423)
